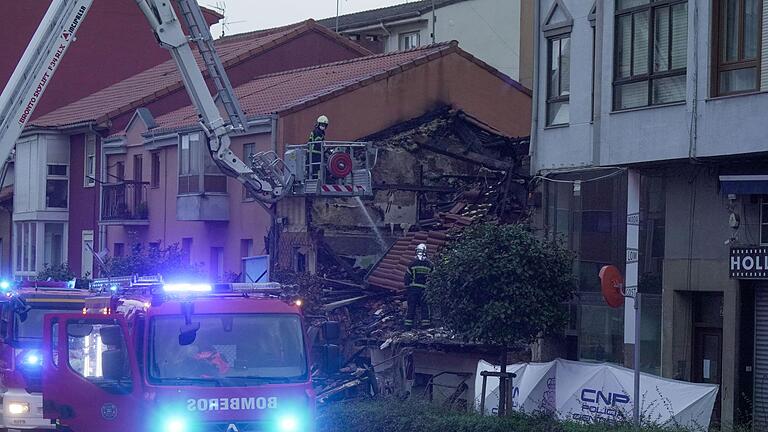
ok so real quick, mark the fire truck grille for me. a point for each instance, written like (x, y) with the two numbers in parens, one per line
(235, 427)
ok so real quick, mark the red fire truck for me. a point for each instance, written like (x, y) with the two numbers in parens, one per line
(22, 308)
(151, 356)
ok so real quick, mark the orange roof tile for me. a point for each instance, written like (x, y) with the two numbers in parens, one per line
(292, 89)
(153, 83)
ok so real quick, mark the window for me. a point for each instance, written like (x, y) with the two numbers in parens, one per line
(197, 170)
(186, 248)
(651, 50)
(276, 356)
(53, 245)
(90, 161)
(217, 264)
(736, 46)
(87, 251)
(246, 248)
(98, 353)
(558, 79)
(155, 181)
(26, 246)
(299, 260)
(118, 250)
(120, 171)
(409, 41)
(764, 220)
(56, 187)
(188, 177)
(249, 149)
(138, 168)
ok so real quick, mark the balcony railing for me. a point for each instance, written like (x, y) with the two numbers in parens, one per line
(124, 201)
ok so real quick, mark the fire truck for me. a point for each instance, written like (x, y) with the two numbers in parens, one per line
(144, 355)
(22, 309)
(121, 368)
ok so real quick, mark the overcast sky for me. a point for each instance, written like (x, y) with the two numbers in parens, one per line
(248, 15)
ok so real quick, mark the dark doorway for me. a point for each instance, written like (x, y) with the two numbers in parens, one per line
(707, 366)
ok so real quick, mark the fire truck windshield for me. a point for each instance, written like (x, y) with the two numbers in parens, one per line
(28, 326)
(228, 350)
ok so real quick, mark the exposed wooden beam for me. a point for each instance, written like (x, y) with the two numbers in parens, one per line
(471, 157)
(414, 188)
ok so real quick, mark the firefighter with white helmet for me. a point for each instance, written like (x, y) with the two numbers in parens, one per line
(415, 283)
(315, 146)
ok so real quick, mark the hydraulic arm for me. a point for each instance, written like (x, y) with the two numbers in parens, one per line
(270, 180)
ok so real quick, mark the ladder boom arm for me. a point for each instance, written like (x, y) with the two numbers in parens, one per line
(169, 32)
(56, 32)
(33, 73)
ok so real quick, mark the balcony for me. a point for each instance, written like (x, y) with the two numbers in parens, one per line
(124, 203)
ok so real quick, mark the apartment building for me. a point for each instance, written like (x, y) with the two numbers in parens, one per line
(57, 201)
(498, 32)
(649, 139)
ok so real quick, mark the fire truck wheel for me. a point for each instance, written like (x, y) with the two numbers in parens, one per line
(340, 165)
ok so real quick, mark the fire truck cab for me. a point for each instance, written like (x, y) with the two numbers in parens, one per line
(22, 309)
(151, 356)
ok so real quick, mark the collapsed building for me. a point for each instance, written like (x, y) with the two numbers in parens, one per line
(434, 174)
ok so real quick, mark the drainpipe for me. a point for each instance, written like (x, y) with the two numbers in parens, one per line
(434, 18)
(273, 132)
(273, 241)
(597, 86)
(692, 130)
(386, 30)
(536, 84)
(101, 176)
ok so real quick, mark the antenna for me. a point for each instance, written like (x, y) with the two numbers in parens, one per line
(221, 7)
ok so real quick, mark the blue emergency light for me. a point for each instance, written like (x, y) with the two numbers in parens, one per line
(187, 288)
(33, 359)
(288, 423)
(175, 424)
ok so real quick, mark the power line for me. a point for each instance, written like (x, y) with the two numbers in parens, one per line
(603, 177)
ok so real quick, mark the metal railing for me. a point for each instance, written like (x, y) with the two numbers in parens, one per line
(126, 200)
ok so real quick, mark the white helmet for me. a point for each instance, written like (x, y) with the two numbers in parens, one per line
(322, 120)
(421, 251)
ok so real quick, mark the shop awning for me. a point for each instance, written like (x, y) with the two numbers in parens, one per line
(744, 184)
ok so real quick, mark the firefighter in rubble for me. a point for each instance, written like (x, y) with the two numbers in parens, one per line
(315, 146)
(416, 282)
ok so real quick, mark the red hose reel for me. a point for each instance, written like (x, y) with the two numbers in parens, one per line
(340, 165)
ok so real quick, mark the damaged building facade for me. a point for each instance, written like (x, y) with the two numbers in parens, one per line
(157, 186)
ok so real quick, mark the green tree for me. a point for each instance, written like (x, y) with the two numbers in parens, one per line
(501, 285)
(171, 262)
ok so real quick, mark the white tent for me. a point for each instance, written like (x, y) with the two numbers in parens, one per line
(590, 392)
(492, 385)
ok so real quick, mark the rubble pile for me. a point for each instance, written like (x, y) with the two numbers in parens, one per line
(380, 322)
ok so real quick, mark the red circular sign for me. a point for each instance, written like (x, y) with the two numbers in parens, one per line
(611, 283)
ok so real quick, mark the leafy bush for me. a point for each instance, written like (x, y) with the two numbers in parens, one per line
(170, 262)
(396, 416)
(490, 274)
(61, 272)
